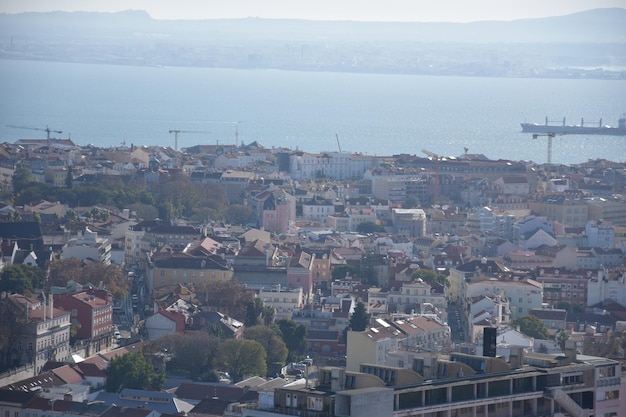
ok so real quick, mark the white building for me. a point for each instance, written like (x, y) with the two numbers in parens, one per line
(600, 234)
(88, 245)
(285, 301)
(522, 295)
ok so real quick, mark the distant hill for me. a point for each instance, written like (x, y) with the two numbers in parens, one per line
(594, 26)
(592, 43)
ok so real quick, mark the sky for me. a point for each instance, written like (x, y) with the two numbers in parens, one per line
(356, 10)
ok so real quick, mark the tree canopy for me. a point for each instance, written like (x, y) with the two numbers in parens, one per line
(428, 275)
(359, 319)
(369, 227)
(227, 297)
(20, 278)
(340, 271)
(294, 336)
(85, 272)
(133, 370)
(191, 353)
(241, 358)
(274, 346)
(531, 326)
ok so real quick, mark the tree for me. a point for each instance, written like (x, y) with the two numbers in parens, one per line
(83, 272)
(274, 346)
(69, 178)
(227, 297)
(21, 279)
(561, 338)
(133, 370)
(240, 358)
(238, 214)
(22, 177)
(294, 336)
(359, 319)
(192, 353)
(369, 227)
(428, 275)
(341, 271)
(531, 326)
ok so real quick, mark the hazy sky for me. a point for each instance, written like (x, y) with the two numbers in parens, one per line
(365, 10)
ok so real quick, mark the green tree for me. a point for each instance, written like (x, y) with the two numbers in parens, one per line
(428, 275)
(22, 177)
(562, 337)
(238, 214)
(341, 271)
(294, 336)
(274, 346)
(241, 358)
(359, 319)
(69, 178)
(191, 353)
(369, 227)
(84, 272)
(531, 326)
(21, 279)
(227, 297)
(133, 370)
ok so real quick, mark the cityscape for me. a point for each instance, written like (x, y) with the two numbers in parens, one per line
(246, 281)
(167, 271)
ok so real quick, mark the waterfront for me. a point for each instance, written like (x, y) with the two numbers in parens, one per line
(378, 114)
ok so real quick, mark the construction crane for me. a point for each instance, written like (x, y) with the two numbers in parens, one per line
(176, 132)
(550, 136)
(338, 144)
(218, 122)
(435, 158)
(47, 130)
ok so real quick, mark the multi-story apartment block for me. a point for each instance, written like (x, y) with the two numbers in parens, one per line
(286, 301)
(359, 215)
(91, 312)
(40, 332)
(334, 165)
(596, 258)
(513, 185)
(300, 272)
(339, 222)
(180, 268)
(523, 295)
(558, 207)
(415, 296)
(88, 245)
(410, 223)
(562, 285)
(607, 285)
(161, 234)
(136, 247)
(600, 234)
(317, 210)
(607, 209)
(275, 209)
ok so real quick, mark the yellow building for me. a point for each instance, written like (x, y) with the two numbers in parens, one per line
(570, 212)
(184, 269)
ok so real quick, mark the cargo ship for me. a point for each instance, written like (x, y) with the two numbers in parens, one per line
(562, 128)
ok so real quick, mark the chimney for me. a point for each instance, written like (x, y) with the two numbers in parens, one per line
(43, 306)
(51, 302)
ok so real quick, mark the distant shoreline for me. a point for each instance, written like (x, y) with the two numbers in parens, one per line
(555, 73)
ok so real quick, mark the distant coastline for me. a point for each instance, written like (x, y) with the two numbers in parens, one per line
(585, 45)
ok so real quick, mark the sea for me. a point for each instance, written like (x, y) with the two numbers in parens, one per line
(372, 114)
